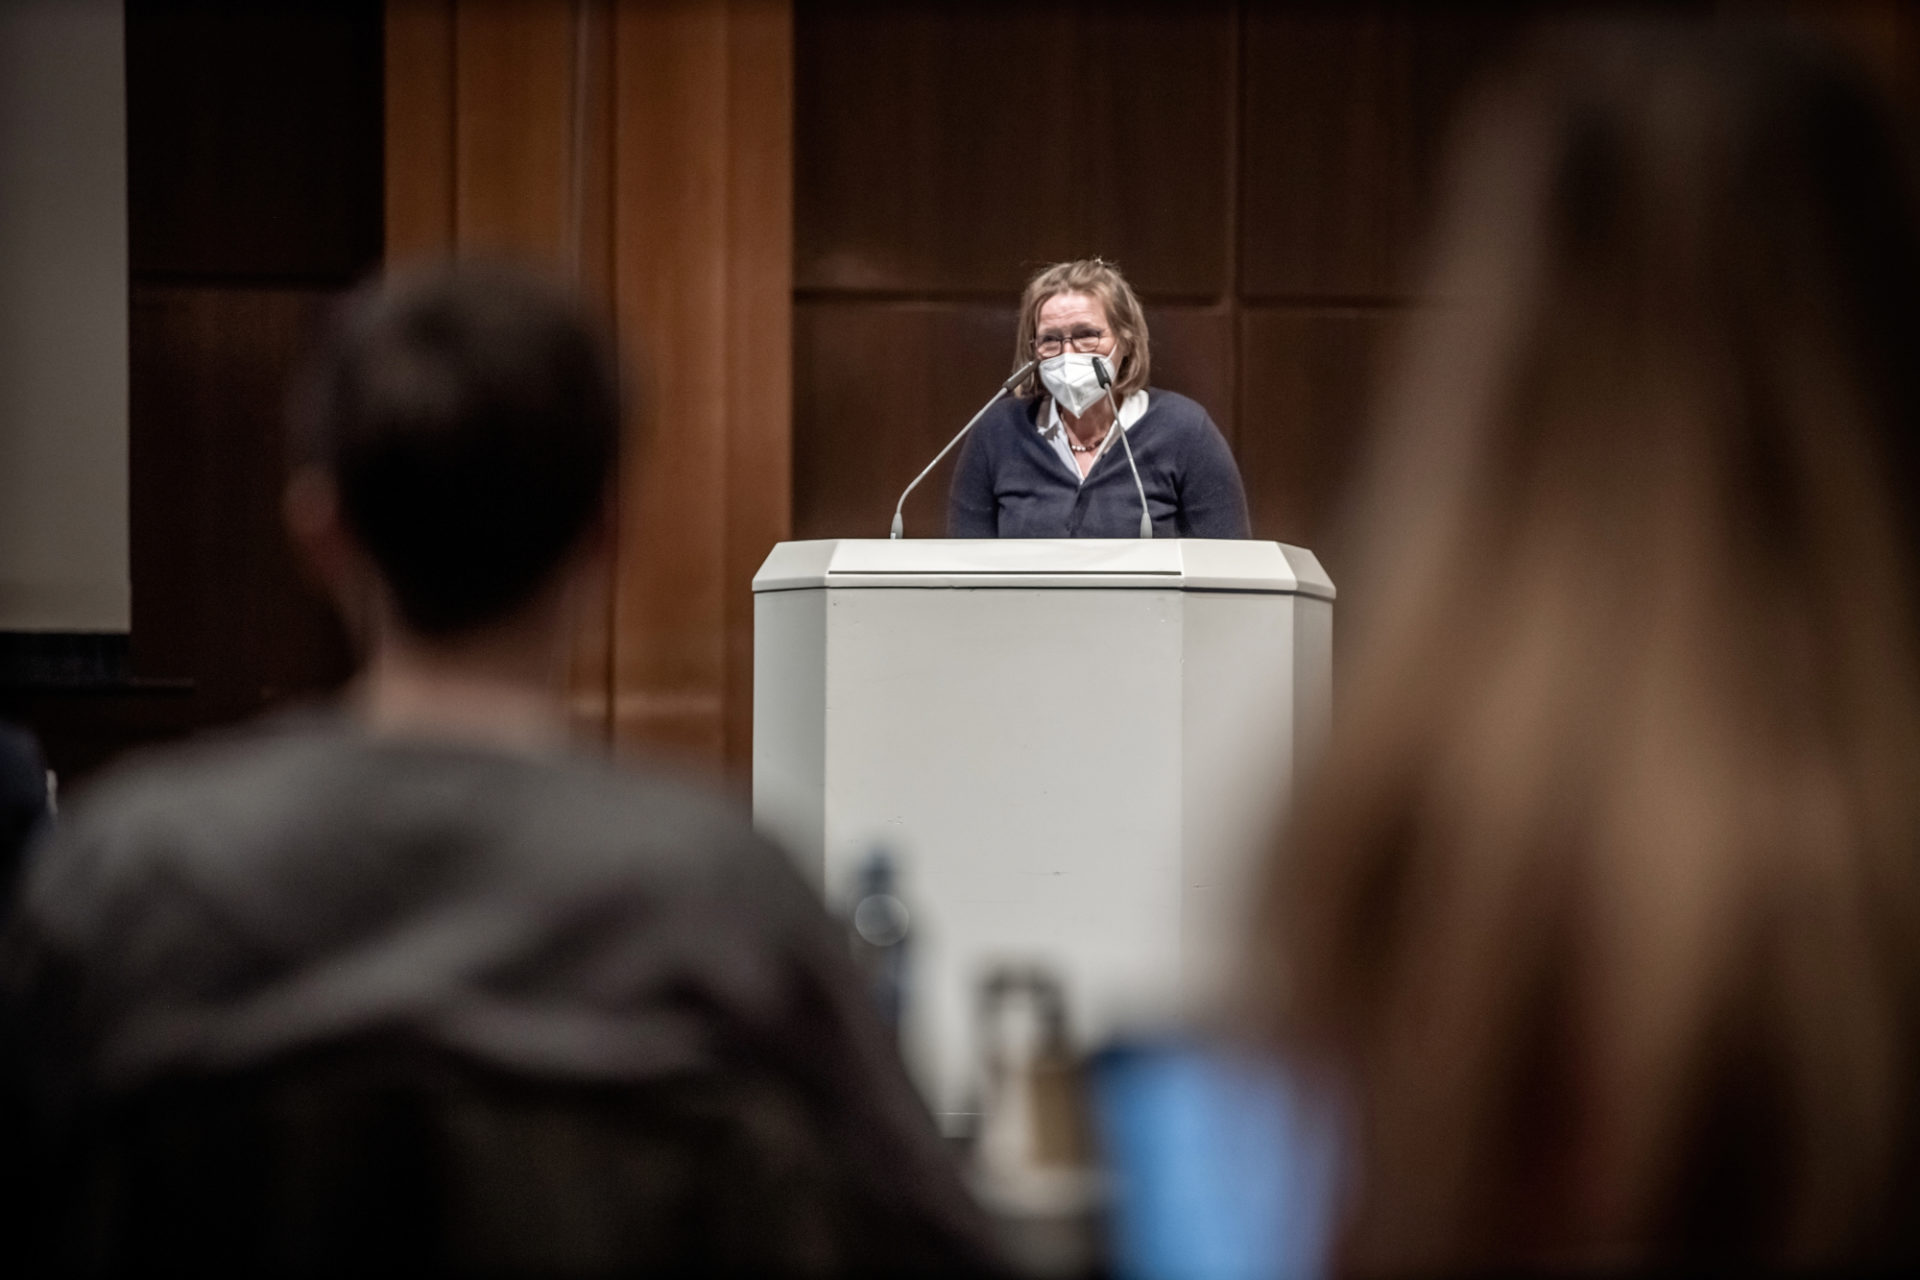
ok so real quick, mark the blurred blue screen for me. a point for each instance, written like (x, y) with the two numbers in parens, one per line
(1222, 1167)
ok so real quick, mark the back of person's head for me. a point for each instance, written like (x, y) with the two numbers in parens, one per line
(1605, 905)
(469, 419)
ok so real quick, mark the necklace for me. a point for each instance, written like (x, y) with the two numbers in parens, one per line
(1077, 447)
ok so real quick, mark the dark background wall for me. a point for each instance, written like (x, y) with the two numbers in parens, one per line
(254, 197)
(1261, 173)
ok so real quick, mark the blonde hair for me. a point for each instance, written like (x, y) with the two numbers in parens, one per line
(1102, 281)
(1605, 906)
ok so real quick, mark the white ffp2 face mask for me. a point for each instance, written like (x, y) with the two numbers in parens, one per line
(1071, 381)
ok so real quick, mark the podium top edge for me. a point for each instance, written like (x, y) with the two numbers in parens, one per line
(1180, 564)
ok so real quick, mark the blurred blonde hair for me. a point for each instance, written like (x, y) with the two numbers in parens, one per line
(1102, 281)
(1605, 904)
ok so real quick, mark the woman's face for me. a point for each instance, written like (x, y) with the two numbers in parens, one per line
(1065, 315)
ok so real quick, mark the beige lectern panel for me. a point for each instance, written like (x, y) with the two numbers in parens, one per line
(1020, 755)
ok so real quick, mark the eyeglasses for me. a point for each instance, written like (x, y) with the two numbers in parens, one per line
(1084, 339)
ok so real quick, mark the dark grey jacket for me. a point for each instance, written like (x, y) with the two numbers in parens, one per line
(601, 934)
(1011, 483)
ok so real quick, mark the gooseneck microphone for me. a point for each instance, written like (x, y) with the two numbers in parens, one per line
(1006, 388)
(1101, 372)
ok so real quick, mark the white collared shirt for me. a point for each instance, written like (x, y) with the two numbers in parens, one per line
(1132, 409)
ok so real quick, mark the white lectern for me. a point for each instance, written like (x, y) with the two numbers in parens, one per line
(1074, 749)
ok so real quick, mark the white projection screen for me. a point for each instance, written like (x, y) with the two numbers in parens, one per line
(63, 318)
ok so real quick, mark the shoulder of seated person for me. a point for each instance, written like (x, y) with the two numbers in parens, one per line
(240, 784)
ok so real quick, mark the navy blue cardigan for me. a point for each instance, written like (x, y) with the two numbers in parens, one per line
(1011, 483)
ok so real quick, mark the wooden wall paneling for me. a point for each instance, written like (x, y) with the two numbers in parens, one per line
(217, 596)
(953, 149)
(1306, 395)
(1328, 198)
(643, 149)
(909, 116)
(1193, 353)
(759, 342)
(498, 131)
(1153, 104)
(587, 246)
(499, 138)
(419, 160)
(1346, 113)
(253, 140)
(673, 229)
(513, 128)
(879, 388)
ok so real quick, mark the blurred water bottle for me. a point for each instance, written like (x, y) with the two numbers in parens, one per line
(881, 926)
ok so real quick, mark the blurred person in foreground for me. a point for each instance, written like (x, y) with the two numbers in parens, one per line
(1603, 915)
(410, 984)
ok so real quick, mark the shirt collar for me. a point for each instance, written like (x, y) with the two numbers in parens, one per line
(1132, 409)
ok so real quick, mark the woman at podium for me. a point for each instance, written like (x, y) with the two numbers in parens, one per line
(1085, 444)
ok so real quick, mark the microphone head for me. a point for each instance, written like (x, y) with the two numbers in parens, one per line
(1101, 371)
(1019, 375)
